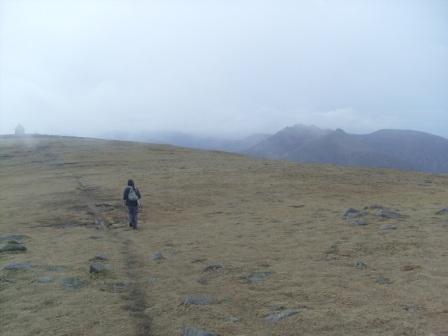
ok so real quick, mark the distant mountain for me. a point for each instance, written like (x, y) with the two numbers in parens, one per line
(399, 149)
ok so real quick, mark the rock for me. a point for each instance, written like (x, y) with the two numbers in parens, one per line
(45, 279)
(352, 213)
(100, 257)
(73, 283)
(153, 280)
(12, 246)
(198, 299)
(388, 227)
(258, 277)
(281, 315)
(99, 268)
(442, 212)
(383, 281)
(359, 222)
(17, 237)
(213, 267)
(157, 257)
(233, 319)
(189, 331)
(18, 267)
(360, 265)
(388, 214)
(407, 268)
(198, 260)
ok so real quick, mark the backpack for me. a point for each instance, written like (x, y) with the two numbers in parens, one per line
(132, 195)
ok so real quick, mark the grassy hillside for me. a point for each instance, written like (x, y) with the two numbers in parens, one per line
(254, 237)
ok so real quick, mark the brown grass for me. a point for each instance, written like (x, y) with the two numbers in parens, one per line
(204, 207)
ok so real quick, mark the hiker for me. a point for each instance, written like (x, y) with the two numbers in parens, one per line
(131, 198)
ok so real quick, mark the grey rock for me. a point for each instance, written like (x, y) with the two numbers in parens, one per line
(360, 265)
(12, 246)
(45, 279)
(383, 281)
(190, 331)
(442, 212)
(213, 267)
(18, 267)
(258, 277)
(157, 257)
(100, 257)
(359, 222)
(198, 299)
(99, 268)
(233, 319)
(17, 237)
(351, 213)
(376, 207)
(388, 227)
(73, 283)
(153, 280)
(281, 315)
(388, 214)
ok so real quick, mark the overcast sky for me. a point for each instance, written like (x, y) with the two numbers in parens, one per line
(223, 66)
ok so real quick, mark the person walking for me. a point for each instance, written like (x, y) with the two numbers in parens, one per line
(131, 199)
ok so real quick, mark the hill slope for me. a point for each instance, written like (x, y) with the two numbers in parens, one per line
(398, 149)
(256, 238)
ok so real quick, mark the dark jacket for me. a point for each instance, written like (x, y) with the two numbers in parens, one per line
(126, 193)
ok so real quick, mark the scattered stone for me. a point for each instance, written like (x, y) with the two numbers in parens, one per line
(18, 267)
(233, 319)
(408, 268)
(413, 308)
(100, 257)
(17, 237)
(153, 280)
(198, 299)
(12, 246)
(157, 257)
(99, 268)
(258, 277)
(198, 260)
(442, 212)
(281, 315)
(119, 287)
(388, 214)
(45, 279)
(353, 213)
(190, 331)
(388, 227)
(360, 265)
(383, 281)
(359, 222)
(73, 283)
(213, 267)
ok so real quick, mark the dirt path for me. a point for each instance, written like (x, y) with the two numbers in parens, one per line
(135, 296)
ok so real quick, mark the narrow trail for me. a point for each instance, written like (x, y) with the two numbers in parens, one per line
(135, 295)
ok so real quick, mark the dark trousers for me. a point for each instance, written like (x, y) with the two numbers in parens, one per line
(133, 215)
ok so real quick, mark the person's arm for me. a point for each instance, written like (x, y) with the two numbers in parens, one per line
(125, 196)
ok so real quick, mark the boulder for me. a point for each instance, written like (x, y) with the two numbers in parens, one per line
(360, 265)
(158, 257)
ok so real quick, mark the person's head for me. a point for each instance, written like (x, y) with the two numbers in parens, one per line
(130, 183)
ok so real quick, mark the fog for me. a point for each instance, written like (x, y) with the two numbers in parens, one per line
(86, 67)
